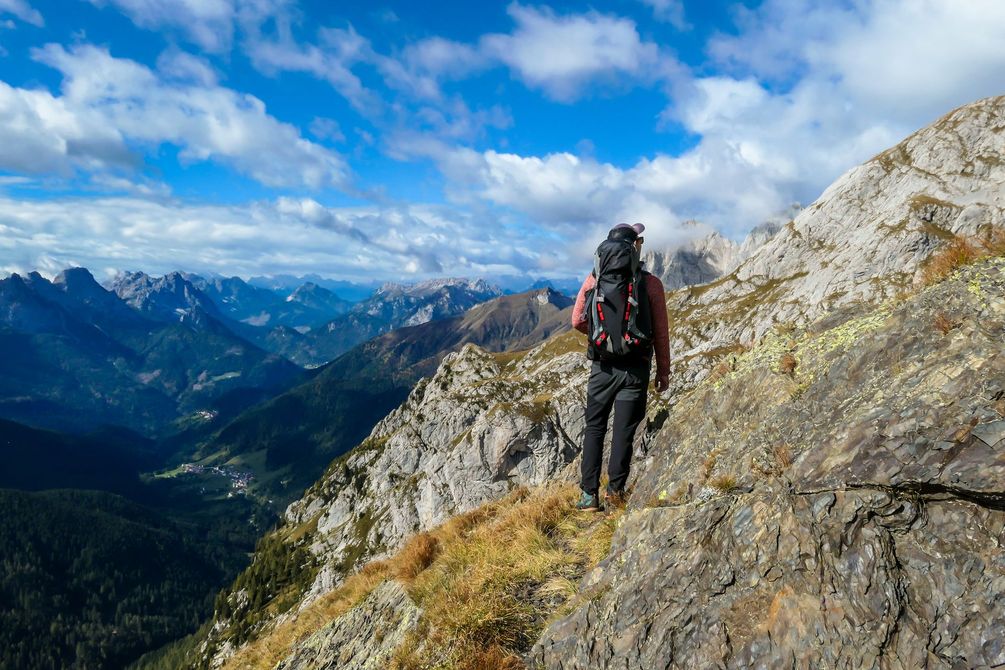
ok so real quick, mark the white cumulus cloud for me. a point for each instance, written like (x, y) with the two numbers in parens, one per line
(110, 107)
(211, 24)
(289, 235)
(563, 54)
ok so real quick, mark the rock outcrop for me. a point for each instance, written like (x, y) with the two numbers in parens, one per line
(850, 514)
(696, 262)
(469, 434)
(865, 239)
(708, 258)
(361, 639)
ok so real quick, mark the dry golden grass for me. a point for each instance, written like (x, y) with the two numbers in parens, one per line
(963, 251)
(787, 364)
(416, 556)
(709, 465)
(486, 580)
(783, 456)
(270, 648)
(993, 243)
(486, 599)
(956, 254)
(943, 323)
(724, 483)
(720, 371)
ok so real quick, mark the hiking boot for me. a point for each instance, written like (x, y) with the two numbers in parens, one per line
(615, 499)
(588, 502)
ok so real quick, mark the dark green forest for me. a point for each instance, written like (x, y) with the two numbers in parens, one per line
(89, 579)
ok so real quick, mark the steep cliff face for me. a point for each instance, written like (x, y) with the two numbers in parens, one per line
(823, 487)
(708, 258)
(696, 262)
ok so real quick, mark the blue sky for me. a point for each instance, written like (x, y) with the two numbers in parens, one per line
(407, 140)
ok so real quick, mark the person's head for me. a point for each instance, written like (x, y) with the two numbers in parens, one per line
(629, 232)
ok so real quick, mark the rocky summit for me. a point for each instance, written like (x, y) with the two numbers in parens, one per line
(824, 486)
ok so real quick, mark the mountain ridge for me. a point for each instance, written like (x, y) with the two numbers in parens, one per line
(837, 289)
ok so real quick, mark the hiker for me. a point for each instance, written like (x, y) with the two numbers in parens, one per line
(625, 319)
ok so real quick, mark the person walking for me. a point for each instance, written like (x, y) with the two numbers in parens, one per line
(622, 310)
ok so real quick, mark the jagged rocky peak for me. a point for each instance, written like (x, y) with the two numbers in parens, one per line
(430, 286)
(315, 296)
(760, 234)
(697, 261)
(413, 304)
(166, 298)
(707, 257)
(14, 289)
(77, 278)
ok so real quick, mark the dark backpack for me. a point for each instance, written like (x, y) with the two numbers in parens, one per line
(617, 309)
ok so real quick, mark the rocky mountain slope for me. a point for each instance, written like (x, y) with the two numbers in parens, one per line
(305, 306)
(823, 485)
(847, 512)
(707, 258)
(167, 298)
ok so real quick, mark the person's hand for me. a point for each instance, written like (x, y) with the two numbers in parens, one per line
(662, 383)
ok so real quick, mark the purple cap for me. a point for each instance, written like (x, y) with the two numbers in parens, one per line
(636, 228)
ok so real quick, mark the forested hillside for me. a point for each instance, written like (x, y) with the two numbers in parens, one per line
(91, 580)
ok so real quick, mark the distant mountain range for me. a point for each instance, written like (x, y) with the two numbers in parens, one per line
(288, 441)
(311, 325)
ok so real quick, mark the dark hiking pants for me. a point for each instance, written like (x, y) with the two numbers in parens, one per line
(624, 390)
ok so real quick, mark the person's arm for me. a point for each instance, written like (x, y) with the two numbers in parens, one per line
(579, 311)
(661, 330)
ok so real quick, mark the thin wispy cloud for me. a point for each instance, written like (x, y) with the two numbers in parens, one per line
(23, 11)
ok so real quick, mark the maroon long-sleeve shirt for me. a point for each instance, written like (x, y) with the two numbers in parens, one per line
(657, 308)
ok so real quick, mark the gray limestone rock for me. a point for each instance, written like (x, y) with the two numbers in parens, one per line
(851, 514)
(361, 639)
(471, 433)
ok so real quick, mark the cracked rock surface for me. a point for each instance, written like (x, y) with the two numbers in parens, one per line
(850, 514)
(361, 639)
(482, 425)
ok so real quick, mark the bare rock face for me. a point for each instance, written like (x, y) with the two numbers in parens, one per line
(361, 639)
(849, 514)
(471, 433)
(708, 258)
(865, 239)
(697, 262)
